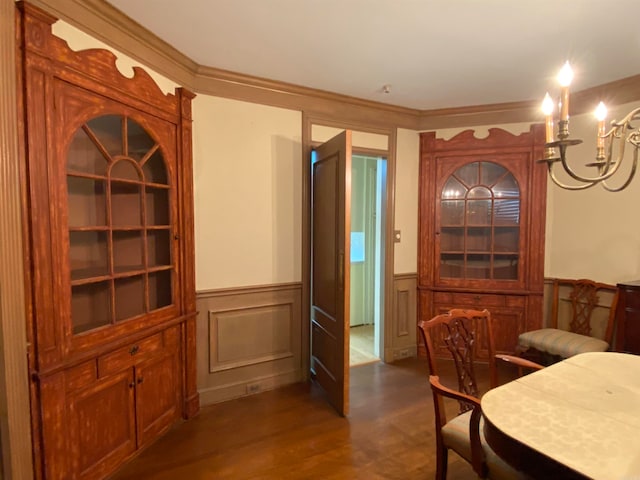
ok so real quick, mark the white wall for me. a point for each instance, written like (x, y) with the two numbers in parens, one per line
(248, 193)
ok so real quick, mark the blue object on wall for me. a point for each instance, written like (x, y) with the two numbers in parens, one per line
(357, 247)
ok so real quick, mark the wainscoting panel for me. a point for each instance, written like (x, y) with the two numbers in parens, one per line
(249, 340)
(248, 336)
(403, 341)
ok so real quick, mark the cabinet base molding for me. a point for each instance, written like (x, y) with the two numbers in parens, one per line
(192, 406)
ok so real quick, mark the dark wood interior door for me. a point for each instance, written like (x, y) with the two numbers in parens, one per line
(330, 254)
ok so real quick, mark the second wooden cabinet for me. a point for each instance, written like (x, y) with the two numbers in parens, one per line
(481, 228)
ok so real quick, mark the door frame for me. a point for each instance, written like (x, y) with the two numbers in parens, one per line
(308, 121)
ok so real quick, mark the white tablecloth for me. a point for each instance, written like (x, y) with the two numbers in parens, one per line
(583, 412)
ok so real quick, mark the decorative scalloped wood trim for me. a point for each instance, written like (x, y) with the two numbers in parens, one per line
(108, 24)
(497, 136)
(98, 65)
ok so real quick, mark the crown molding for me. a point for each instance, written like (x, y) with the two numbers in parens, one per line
(490, 114)
(110, 25)
(618, 92)
(274, 85)
(214, 81)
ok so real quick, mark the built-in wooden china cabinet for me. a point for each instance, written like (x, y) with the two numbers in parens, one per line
(109, 219)
(481, 228)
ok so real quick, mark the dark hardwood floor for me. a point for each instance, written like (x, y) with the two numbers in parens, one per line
(292, 433)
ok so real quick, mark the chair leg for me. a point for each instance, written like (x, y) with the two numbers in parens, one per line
(442, 454)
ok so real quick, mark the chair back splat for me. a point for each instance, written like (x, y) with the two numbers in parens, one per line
(582, 320)
(460, 331)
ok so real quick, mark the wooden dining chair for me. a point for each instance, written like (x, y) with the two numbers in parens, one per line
(582, 317)
(462, 332)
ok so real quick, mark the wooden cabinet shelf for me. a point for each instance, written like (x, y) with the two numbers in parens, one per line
(88, 275)
(91, 229)
(482, 205)
(110, 222)
(478, 252)
(478, 225)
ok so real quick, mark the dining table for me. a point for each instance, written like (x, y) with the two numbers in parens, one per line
(578, 418)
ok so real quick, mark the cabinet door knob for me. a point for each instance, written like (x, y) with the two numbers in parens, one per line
(140, 380)
(132, 384)
(133, 350)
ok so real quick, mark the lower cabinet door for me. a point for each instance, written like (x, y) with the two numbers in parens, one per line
(158, 393)
(508, 324)
(102, 425)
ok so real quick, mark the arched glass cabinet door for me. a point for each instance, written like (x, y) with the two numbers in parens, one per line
(480, 223)
(119, 221)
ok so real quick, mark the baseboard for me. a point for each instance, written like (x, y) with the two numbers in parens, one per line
(222, 393)
(399, 353)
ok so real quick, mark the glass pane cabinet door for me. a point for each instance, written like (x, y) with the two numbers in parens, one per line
(119, 223)
(480, 223)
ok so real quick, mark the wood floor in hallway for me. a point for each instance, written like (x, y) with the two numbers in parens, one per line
(293, 433)
(361, 349)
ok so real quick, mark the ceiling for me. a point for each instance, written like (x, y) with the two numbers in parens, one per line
(431, 53)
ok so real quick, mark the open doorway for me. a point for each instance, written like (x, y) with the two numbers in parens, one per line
(368, 182)
(327, 239)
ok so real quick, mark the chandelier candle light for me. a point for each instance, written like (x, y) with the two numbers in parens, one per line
(606, 163)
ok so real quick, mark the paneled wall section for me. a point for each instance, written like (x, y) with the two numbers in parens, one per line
(249, 340)
(402, 327)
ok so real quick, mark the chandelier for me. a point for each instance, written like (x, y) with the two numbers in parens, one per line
(610, 145)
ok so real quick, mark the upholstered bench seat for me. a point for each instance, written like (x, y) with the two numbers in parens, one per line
(561, 343)
(455, 435)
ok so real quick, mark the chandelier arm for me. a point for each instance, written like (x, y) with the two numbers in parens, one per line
(626, 121)
(555, 180)
(629, 178)
(609, 167)
(609, 138)
(610, 146)
(580, 178)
